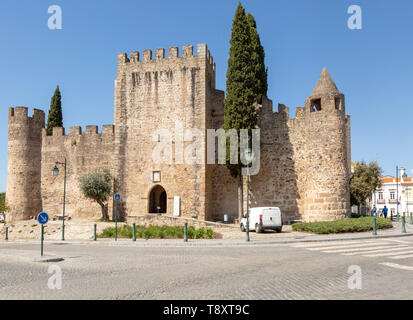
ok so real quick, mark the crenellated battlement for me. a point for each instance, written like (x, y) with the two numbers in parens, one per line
(173, 55)
(22, 114)
(108, 130)
(304, 167)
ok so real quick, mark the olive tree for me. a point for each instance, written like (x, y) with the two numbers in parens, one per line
(365, 180)
(97, 186)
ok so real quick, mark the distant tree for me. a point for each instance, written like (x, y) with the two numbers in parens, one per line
(55, 117)
(239, 109)
(3, 206)
(97, 186)
(365, 180)
(258, 57)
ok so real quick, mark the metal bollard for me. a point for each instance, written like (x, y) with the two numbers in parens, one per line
(374, 227)
(247, 229)
(7, 233)
(94, 232)
(403, 224)
(411, 218)
(186, 232)
(134, 232)
(398, 217)
(41, 240)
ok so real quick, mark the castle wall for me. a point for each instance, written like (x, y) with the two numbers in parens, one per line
(304, 161)
(24, 153)
(85, 153)
(303, 169)
(153, 94)
(320, 155)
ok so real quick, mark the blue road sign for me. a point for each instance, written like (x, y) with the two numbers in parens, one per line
(117, 197)
(43, 218)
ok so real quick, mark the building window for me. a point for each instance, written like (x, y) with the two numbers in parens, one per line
(380, 195)
(315, 105)
(392, 195)
(156, 176)
(337, 102)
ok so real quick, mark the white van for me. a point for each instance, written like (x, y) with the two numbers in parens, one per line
(263, 218)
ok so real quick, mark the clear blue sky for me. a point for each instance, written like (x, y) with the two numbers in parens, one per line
(373, 67)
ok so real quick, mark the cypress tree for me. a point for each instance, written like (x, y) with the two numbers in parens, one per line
(258, 57)
(239, 110)
(55, 117)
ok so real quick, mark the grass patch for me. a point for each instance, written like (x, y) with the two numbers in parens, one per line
(361, 224)
(158, 232)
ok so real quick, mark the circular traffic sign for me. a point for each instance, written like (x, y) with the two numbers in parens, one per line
(42, 218)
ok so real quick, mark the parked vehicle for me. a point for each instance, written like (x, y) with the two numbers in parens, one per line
(263, 218)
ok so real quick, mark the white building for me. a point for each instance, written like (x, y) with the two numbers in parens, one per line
(391, 190)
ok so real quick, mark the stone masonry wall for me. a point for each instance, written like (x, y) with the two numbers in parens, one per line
(24, 153)
(304, 167)
(85, 153)
(158, 94)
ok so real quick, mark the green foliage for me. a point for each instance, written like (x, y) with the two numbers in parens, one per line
(258, 57)
(239, 110)
(3, 206)
(158, 232)
(97, 186)
(364, 181)
(344, 225)
(55, 117)
(2, 199)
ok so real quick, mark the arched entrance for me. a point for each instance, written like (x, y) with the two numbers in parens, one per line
(157, 200)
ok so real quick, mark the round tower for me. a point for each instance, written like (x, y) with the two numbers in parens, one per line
(327, 195)
(23, 194)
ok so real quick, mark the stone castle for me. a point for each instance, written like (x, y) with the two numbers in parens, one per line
(305, 161)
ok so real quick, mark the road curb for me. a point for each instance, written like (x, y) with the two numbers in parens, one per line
(192, 243)
(31, 258)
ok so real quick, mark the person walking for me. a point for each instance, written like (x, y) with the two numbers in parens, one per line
(385, 210)
(374, 211)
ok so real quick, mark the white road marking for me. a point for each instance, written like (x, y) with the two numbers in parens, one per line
(309, 245)
(360, 249)
(352, 246)
(397, 266)
(401, 241)
(395, 248)
(403, 256)
(409, 250)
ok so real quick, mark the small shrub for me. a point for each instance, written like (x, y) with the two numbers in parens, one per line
(157, 232)
(360, 224)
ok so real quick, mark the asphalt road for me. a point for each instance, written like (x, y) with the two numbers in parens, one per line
(279, 271)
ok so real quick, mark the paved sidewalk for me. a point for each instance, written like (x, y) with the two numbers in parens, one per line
(284, 238)
(28, 255)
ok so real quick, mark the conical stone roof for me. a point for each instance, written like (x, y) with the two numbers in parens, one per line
(325, 85)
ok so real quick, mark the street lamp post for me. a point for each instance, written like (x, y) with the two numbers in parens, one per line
(404, 176)
(248, 156)
(55, 173)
